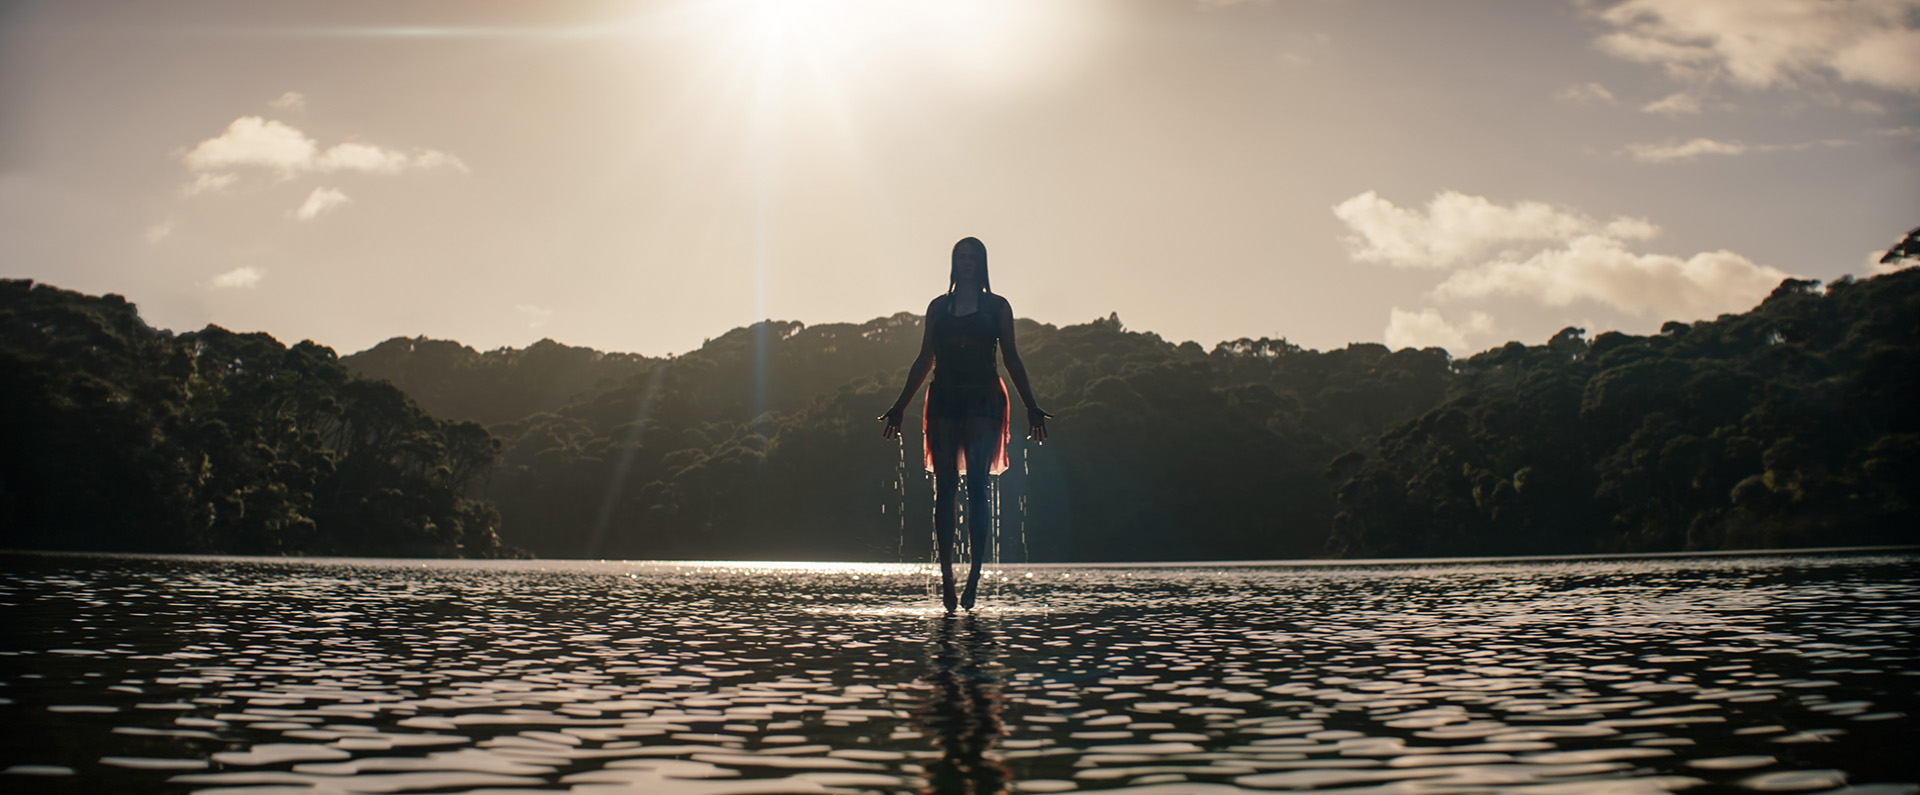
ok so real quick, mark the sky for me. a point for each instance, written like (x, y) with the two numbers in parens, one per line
(640, 176)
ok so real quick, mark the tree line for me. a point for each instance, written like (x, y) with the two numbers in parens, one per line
(1789, 425)
(126, 438)
(1792, 425)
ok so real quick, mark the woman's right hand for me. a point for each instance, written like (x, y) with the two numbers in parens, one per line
(891, 417)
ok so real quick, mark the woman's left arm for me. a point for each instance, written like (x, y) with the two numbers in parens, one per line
(1036, 417)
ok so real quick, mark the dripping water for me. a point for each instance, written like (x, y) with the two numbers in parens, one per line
(962, 533)
(1026, 553)
(993, 588)
(992, 574)
(900, 494)
(932, 569)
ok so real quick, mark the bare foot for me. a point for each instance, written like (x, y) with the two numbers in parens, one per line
(946, 593)
(973, 586)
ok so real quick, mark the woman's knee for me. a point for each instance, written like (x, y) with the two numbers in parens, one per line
(977, 487)
(945, 479)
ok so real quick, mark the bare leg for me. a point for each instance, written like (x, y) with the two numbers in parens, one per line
(983, 438)
(946, 474)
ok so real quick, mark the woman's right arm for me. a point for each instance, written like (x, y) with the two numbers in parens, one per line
(922, 364)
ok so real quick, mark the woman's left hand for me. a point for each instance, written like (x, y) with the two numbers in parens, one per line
(1037, 424)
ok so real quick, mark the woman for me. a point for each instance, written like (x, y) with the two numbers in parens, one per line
(966, 411)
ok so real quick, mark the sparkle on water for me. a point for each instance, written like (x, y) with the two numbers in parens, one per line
(1771, 673)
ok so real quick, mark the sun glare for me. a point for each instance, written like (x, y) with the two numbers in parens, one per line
(999, 42)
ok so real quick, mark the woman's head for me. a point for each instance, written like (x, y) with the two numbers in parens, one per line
(969, 265)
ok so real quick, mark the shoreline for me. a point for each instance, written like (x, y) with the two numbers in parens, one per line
(799, 565)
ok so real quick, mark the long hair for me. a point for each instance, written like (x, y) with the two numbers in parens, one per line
(973, 246)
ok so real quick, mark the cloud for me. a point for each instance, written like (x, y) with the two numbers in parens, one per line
(1669, 152)
(536, 316)
(320, 201)
(361, 157)
(1769, 43)
(1585, 94)
(1886, 58)
(1457, 228)
(292, 100)
(1675, 104)
(1601, 269)
(255, 142)
(251, 141)
(159, 231)
(209, 183)
(1887, 261)
(238, 278)
(1553, 256)
(1824, 143)
(1427, 329)
(1874, 267)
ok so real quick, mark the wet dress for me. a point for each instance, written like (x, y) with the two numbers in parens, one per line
(966, 382)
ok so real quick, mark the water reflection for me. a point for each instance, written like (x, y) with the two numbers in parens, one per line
(963, 704)
(1780, 673)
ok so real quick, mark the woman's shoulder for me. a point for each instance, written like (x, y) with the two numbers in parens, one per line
(938, 302)
(996, 306)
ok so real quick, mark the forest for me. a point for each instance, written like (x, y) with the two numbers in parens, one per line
(1790, 425)
(120, 437)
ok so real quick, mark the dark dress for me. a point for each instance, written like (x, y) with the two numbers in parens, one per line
(966, 382)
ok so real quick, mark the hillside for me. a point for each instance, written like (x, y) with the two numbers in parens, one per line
(1793, 424)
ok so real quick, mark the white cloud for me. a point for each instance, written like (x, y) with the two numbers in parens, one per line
(1874, 267)
(536, 316)
(1427, 329)
(209, 183)
(1585, 94)
(1886, 58)
(238, 277)
(1601, 269)
(1675, 104)
(1669, 152)
(292, 100)
(255, 142)
(1767, 43)
(159, 231)
(1553, 256)
(1457, 228)
(361, 157)
(320, 201)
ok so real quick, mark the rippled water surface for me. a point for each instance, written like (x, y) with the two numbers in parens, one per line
(1774, 673)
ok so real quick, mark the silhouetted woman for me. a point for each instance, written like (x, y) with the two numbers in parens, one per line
(966, 410)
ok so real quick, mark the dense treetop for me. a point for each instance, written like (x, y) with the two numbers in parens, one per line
(1789, 425)
(121, 437)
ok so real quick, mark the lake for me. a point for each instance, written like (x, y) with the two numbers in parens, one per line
(1762, 672)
